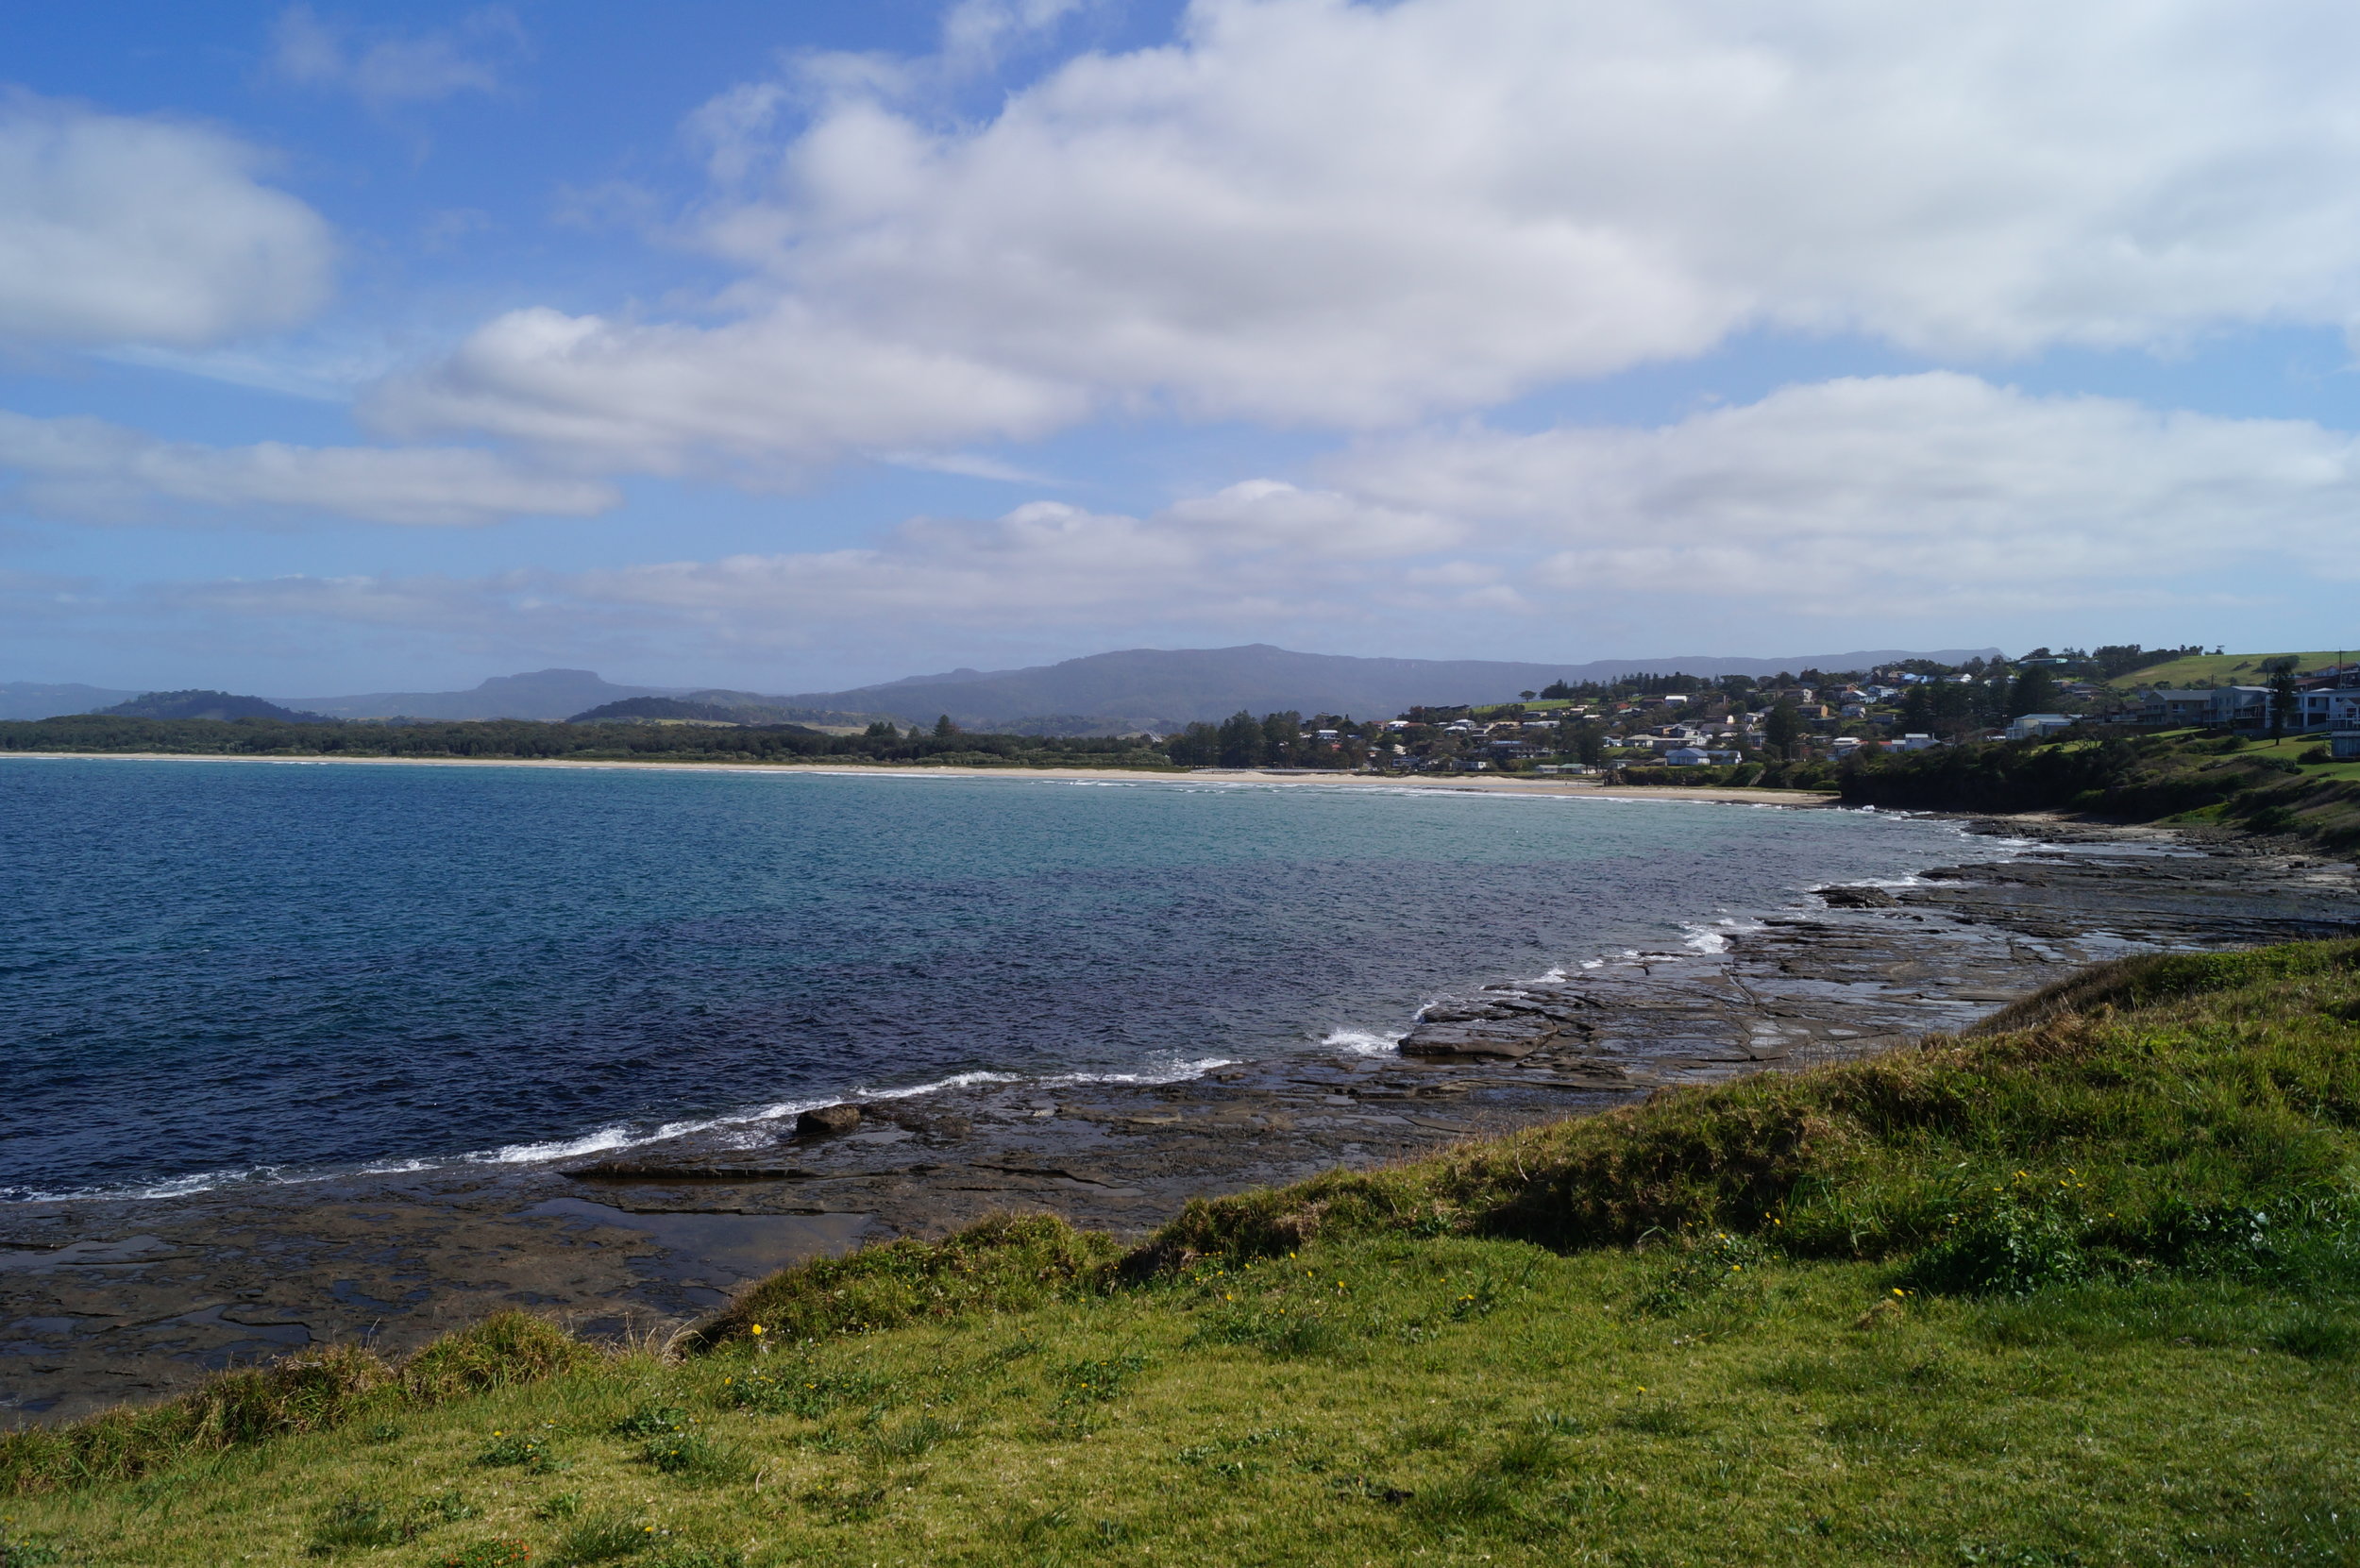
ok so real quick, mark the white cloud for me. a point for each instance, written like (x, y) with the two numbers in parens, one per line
(1310, 212)
(384, 67)
(1933, 507)
(1937, 489)
(116, 229)
(91, 470)
(779, 395)
(976, 34)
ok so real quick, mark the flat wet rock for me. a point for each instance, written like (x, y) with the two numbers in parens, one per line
(102, 1303)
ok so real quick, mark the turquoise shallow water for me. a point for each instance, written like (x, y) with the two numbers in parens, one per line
(224, 971)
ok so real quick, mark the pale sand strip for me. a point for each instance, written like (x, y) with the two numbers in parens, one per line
(1456, 783)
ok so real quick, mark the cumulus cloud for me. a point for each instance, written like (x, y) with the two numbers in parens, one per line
(1936, 489)
(1317, 212)
(118, 229)
(1231, 555)
(383, 67)
(779, 394)
(1895, 502)
(88, 469)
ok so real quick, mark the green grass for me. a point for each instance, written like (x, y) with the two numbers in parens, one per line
(2082, 1290)
(2224, 669)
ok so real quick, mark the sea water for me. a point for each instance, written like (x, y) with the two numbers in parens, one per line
(215, 972)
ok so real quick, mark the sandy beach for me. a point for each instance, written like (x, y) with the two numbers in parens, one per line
(1456, 783)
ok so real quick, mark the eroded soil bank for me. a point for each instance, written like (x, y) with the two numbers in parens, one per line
(101, 1302)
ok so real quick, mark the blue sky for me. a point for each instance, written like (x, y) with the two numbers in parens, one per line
(790, 347)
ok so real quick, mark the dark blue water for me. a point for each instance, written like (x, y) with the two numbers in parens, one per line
(227, 968)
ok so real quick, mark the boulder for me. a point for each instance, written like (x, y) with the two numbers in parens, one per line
(1500, 1042)
(827, 1120)
(1857, 898)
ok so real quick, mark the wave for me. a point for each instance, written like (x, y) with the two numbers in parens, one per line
(1714, 935)
(1362, 1042)
(610, 1139)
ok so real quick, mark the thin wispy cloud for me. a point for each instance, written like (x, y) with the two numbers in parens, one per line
(385, 67)
(92, 471)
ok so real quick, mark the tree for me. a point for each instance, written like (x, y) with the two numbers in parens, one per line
(1241, 740)
(2282, 699)
(2034, 692)
(1782, 729)
(1198, 746)
(944, 729)
(1282, 738)
(1527, 696)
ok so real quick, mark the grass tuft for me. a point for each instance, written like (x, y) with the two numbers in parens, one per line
(313, 1391)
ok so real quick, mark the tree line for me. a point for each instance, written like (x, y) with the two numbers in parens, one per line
(532, 739)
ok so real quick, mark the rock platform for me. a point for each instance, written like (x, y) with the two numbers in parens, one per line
(103, 1302)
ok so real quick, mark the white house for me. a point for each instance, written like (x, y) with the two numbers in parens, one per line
(1915, 743)
(2334, 708)
(2028, 725)
(2206, 705)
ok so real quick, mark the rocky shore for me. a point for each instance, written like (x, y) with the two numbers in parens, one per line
(101, 1302)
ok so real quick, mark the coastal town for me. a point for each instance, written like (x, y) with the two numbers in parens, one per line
(1740, 730)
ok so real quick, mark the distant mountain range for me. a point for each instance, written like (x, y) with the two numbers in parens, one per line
(41, 700)
(1160, 689)
(1105, 693)
(544, 694)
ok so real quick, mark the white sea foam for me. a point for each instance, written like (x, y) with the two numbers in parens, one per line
(1362, 1042)
(735, 1127)
(1714, 935)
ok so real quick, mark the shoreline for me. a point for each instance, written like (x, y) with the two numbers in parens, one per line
(129, 1300)
(1461, 784)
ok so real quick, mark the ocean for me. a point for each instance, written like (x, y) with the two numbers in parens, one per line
(225, 972)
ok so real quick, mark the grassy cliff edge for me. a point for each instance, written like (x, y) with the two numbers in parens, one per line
(2084, 1288)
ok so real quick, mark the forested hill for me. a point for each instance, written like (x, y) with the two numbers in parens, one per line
(1165, 689)
(531, 739)
(205, 704)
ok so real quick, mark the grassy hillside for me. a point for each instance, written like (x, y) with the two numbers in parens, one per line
(2225, 669)
(2286, 787)
(2084, 1290)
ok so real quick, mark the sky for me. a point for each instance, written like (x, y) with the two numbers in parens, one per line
(788, 346)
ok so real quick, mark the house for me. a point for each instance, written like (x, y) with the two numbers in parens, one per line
(2332, 707)
(1914, 743)
(2207, 706)
(1687, 757)
(2344, 746)
(2029, 726)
